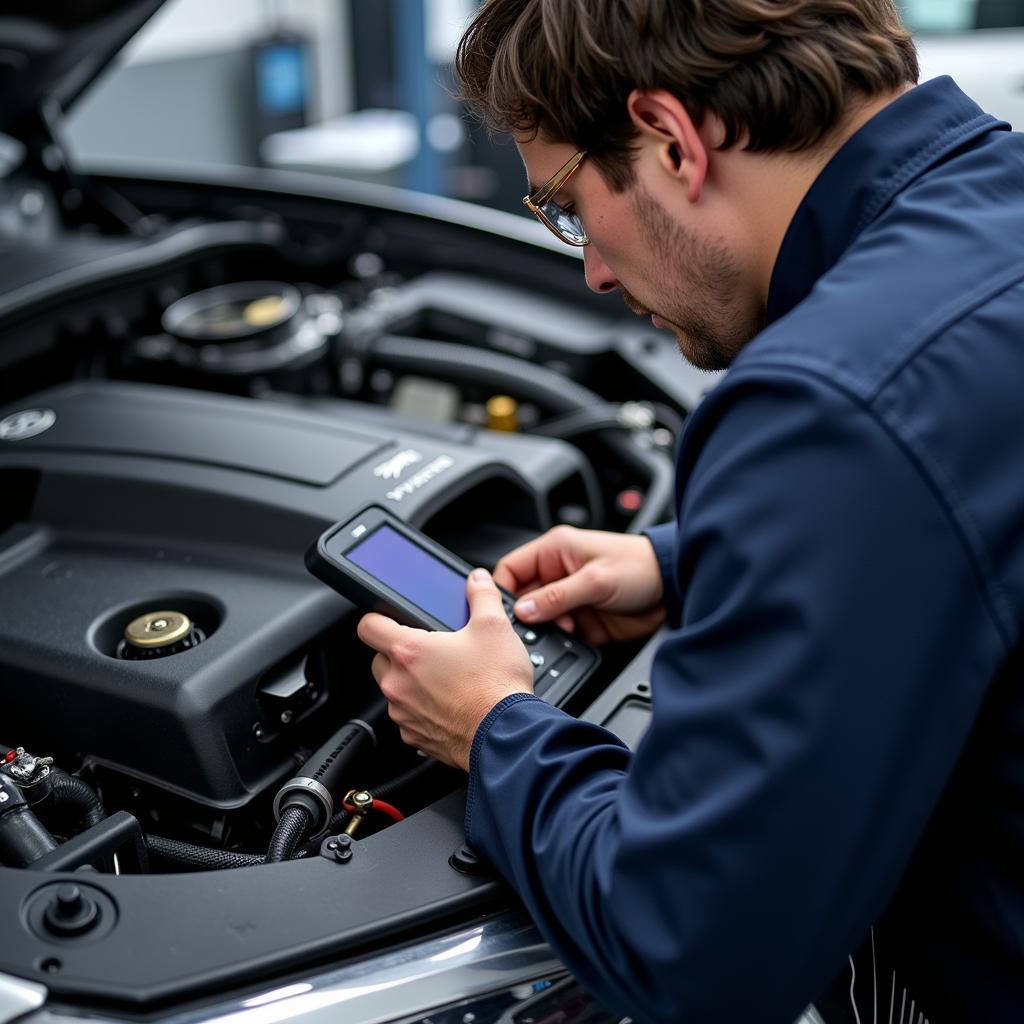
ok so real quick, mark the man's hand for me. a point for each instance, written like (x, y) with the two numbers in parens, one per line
(440, 686)
(606, 584)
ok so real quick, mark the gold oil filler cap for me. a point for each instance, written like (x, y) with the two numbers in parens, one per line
(157, 634)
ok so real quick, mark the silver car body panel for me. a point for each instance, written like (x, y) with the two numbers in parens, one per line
(501, 954)
(18, 997)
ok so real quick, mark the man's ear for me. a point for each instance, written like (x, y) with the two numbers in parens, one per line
(665, 123)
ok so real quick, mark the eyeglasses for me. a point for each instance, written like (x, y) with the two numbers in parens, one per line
(560, 220)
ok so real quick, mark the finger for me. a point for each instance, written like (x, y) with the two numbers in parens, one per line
(566, 622)
(483, 596)
(555, 599)
(505, 574)
(523, 564)
(505, 577)
(592, 628)
(379, 632)
(380, 664)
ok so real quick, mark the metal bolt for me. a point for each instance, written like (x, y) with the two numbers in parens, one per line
(332, 844)
(257, 730)
(286, 716)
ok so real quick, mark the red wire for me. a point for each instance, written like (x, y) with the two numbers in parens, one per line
(379, 805)
(392, 812)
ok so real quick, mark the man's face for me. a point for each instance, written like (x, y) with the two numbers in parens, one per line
(685, 274)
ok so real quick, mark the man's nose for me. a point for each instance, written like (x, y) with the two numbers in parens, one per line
(599, 275)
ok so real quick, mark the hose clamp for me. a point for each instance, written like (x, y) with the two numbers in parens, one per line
(366, 727)
(315, 790)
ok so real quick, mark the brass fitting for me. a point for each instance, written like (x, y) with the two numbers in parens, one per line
(362, 801)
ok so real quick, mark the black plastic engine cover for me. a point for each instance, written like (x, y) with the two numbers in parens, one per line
(141, 498)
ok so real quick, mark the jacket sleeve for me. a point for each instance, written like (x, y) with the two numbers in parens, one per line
(833, 650)
(663, 540)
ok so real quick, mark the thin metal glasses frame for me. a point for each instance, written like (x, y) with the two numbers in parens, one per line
(536, 201)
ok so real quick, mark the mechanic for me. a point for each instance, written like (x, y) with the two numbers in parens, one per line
(837, 737)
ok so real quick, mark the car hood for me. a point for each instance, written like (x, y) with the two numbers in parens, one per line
(50, 51)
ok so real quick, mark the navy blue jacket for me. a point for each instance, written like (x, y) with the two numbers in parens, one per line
(838, 724)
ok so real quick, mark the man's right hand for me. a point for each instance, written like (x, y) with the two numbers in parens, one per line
(606, 585)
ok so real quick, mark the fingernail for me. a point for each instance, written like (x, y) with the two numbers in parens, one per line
(480, 575)
(526, 607)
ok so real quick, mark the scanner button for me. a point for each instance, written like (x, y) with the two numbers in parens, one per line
(561, 666)
(529, 637)
(537, 658)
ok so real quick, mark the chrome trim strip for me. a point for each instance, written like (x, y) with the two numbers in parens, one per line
(502, 952)
(811, 1016)
(18, 997)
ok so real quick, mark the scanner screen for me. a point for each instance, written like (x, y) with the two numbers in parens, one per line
(410, 571)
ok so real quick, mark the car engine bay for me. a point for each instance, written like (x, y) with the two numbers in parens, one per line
(185, 404)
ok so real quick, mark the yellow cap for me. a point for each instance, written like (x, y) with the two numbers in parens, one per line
(502, 413)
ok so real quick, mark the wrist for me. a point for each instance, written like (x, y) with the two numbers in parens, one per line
(478, 711)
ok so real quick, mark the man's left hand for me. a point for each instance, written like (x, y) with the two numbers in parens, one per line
(440, 686)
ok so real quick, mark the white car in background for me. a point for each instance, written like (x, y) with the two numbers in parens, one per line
(980, 43)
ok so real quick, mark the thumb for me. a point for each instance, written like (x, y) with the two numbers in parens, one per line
(555, 599)
(483, 594)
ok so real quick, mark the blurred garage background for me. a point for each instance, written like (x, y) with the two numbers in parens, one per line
(360, 89)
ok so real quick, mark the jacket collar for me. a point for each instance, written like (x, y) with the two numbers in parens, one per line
(898, 145)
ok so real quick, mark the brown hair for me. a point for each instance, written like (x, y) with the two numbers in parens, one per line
(780, 74)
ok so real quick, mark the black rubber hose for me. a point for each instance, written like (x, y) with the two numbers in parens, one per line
(572, 424)
(203, 858)
(605, 417)
(463, 362)
(668, 417)
(386, 790)
(69, 791)
(23, 838)
(318, 783)
(537, 384)
(293, 826)
(661, 489)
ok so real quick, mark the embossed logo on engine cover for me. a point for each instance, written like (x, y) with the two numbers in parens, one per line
(397, 464)
(27, 423)
(420, 477)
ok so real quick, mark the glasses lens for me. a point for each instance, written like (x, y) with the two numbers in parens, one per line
(566, 222)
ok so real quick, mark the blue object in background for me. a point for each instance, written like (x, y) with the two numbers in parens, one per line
(282, 77)
(416, 82)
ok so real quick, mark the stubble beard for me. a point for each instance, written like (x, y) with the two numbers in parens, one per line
(712, 328)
